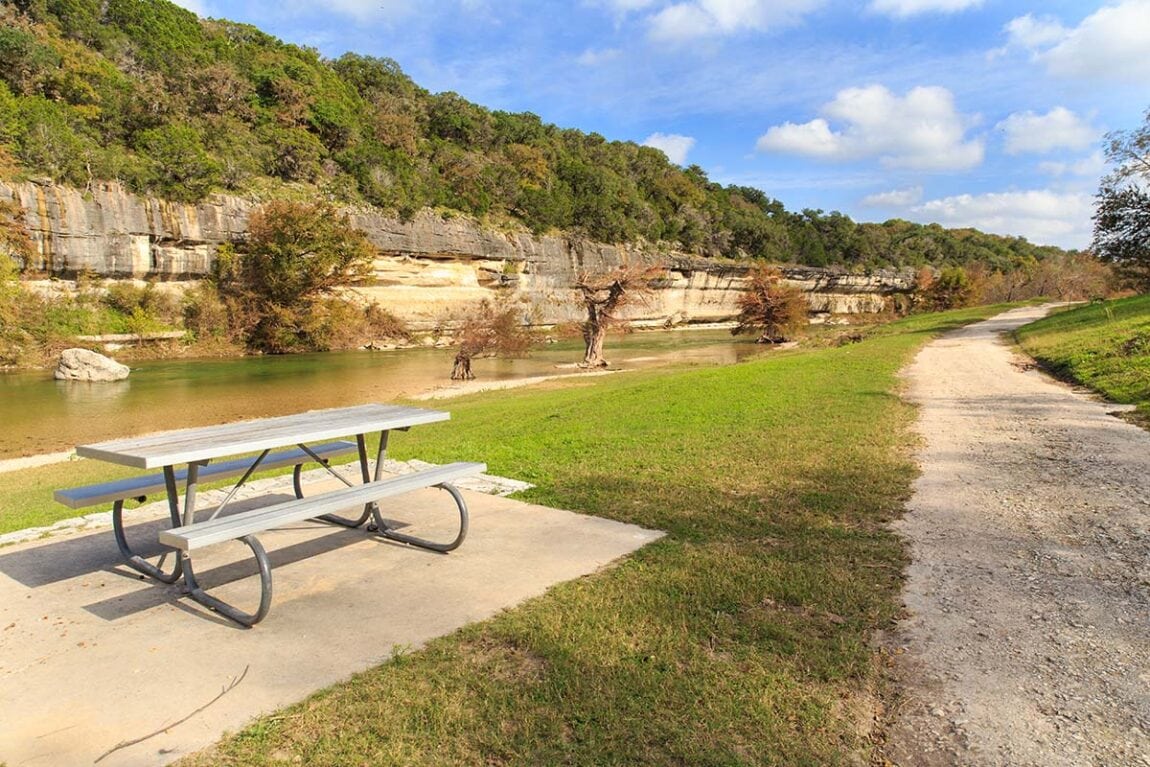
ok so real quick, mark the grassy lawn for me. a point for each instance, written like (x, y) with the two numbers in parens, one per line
(1104, 346)
(743, 637)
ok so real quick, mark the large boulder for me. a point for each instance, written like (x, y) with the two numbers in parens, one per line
(86, 365)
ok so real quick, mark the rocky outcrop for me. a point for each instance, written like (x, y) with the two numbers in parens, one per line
(85, 365)
(429, 267)
(110, 232)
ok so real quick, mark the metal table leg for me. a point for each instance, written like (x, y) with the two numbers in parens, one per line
(191, 585)
(134, 560)
(365, 473)
(247, 620)
(382, 528)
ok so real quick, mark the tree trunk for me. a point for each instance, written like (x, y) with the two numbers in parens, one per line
(461, 370)
(593, 336)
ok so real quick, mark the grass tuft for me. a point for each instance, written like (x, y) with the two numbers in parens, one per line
(1104, 346)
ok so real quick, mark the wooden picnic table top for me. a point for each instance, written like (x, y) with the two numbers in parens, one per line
(205, 443)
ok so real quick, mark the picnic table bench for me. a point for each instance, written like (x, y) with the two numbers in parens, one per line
(198, 447)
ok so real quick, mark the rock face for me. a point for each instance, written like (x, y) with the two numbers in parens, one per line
(85, 365)
(429, 267)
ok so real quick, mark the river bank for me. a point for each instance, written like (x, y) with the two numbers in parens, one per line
(43, 416)
(454, 389)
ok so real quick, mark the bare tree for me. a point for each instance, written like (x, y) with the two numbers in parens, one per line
(489, 330)
(769, 307)
(604, 295)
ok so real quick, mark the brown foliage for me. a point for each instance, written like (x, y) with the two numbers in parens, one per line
(605, 294)
(953, 288)
(489, 330)
(767, 306)
(1066, 277)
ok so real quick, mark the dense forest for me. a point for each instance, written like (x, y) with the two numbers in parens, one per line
(148, 94)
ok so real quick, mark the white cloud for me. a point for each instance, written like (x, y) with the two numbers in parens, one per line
(1090, 167)
(1029, 32)
(921, 130)
(1042, 216)
(1057, 129)
(813, 139)
(197, 7)
(707, 18)
(673, 145)
(593, 58)
(896, 198)
(904, 8)
(623, 6)
(1110, 44)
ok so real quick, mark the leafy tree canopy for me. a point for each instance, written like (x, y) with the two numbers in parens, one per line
(296, 257)
(1122, 219)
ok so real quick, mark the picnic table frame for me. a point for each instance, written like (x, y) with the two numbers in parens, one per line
(197, 447)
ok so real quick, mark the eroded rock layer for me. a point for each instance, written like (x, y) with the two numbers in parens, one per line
(429, 267)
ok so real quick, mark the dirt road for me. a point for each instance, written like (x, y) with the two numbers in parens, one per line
(1027, 640)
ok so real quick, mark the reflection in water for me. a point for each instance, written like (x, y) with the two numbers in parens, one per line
(92, 392)
(41, 415)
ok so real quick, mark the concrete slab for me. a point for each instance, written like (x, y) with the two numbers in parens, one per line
(100, 665)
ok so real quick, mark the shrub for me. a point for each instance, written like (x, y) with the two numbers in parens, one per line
(952, 289)
(142, 303)
(767, 306)
(282, 286)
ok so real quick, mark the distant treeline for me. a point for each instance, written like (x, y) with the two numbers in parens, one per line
(144, 92)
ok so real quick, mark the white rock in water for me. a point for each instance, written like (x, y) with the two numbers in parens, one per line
(85, 365)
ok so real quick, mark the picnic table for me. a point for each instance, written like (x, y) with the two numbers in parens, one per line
(307, 439)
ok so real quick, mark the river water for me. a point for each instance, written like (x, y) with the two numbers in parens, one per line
(41, 415)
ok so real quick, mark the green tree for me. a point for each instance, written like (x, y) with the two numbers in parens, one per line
(295, 259)
(951, 289)
(1122, 217)
(9, 110)
(48, 141)
(25, 62)
(182, 169)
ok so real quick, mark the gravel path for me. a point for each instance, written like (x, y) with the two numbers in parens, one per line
(1027, 640)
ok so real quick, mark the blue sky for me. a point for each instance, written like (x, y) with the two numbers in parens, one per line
(985, 113)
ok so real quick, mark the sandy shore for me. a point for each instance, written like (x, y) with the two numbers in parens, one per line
(32, 461)
(460, 388)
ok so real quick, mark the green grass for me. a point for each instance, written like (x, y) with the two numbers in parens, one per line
(1105, 346)
(743, 637)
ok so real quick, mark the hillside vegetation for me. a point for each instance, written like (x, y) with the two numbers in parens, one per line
(146, 93)
(1105, 346)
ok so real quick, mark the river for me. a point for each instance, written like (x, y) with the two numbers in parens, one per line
(42, 415)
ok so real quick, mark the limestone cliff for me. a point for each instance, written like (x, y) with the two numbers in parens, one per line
(428, 267)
